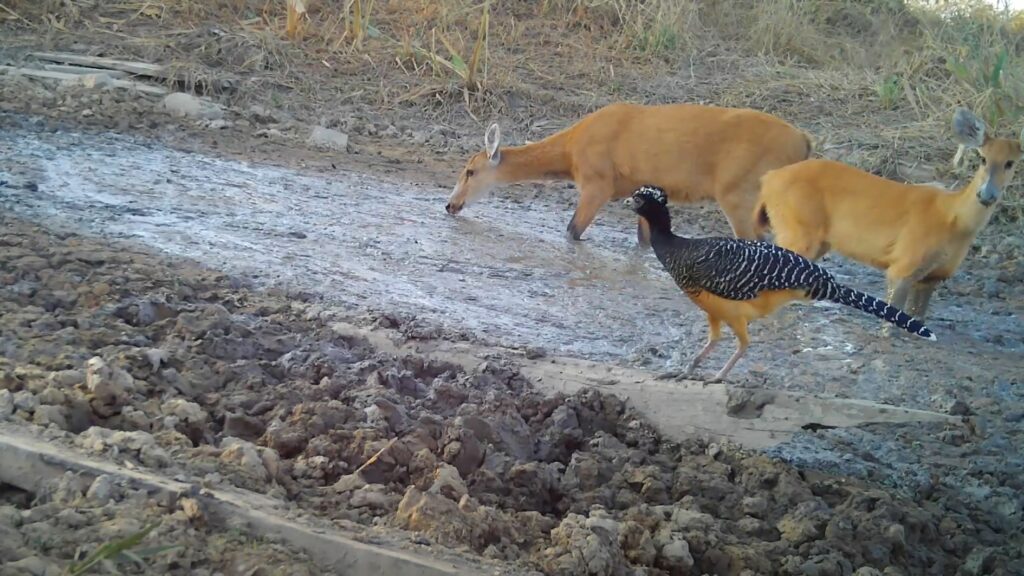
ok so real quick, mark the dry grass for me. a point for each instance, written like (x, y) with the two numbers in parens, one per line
(876, 81)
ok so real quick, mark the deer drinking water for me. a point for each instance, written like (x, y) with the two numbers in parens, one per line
(693, 152)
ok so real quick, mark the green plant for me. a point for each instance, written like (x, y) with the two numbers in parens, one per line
(120, 551)
(662, 39)
(889, 91)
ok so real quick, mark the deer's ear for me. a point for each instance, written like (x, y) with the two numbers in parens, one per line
(968, 129)
(492, 141)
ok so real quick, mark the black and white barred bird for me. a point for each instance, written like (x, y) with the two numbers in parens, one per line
(735, 281)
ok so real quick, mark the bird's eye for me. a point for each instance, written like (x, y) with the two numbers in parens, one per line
(1009, 164)
(469, 173)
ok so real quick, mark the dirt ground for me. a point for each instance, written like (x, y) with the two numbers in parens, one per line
(168, 366)
(210, 367)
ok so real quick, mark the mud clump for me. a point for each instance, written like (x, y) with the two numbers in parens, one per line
(182, 370)
(43, 534)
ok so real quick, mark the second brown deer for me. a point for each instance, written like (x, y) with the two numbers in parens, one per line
(918, 234)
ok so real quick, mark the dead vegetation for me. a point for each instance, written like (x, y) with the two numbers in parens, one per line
(875, 80)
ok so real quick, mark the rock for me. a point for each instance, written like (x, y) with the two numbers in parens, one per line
(218, 124)
(579, 549)
(6, 403)
(285, 440)
(637, 544)
(9, 516)
(245, 456)
(191, 508)
(33, 565)
(68, 378)
(99, 80)
(261, 115)
(373, 496)
(463, 450)
(102, 489)
(448, 483)
(69, 518)
(867, 571)
(47, 414)
(108, 386)
(182, 105)
(440, 518)
(53, 396)
(25, 400)
(754, 506)
(184, 411)
(675, 557)
(327, 138)
(805, 523)
(138, 442)
(244, 427)
(187, 417)
(151, 311)
(387, 411)
(826, 565)
(958, 408)
(349, 483)
(561, 435)
(156, 357)
(978, 562)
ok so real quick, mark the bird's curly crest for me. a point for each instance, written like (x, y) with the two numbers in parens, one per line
(651, 193)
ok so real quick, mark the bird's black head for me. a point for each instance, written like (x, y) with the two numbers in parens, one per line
(651, 203)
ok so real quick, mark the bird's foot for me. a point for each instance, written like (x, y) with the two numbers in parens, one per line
(716, 379)
(672, 375)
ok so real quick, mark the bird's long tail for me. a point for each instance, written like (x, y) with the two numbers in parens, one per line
(883, 310)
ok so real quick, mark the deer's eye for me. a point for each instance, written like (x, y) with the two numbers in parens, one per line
(469, 173)
(1009, 164)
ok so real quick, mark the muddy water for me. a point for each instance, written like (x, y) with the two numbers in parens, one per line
(502, 270)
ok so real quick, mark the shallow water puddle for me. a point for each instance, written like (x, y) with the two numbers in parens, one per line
(502, 270)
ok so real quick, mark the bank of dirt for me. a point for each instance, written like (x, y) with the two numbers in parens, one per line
(190, 373)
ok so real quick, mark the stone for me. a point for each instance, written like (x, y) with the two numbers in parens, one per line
(182, 105)
(6, 403)
(244, 427)
(25, 400)
(102, 489)
(246, 456)
(448, 483)
(805, 523)
(373, 496)
(349, 483)
(68, 378)
(109, 386)
(675, 556)
(327, 138)
(48, 414)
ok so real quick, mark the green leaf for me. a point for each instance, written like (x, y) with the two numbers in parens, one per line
(110, 550)
(460, 64)
(997, 70)
(154, 550)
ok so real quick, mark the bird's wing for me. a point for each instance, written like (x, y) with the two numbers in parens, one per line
(740, 270)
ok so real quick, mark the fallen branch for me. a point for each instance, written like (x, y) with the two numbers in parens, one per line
(83, 78)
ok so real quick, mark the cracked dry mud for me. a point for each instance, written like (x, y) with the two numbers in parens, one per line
(192, 373)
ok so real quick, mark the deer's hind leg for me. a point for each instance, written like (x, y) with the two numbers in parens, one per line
(920, 296)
